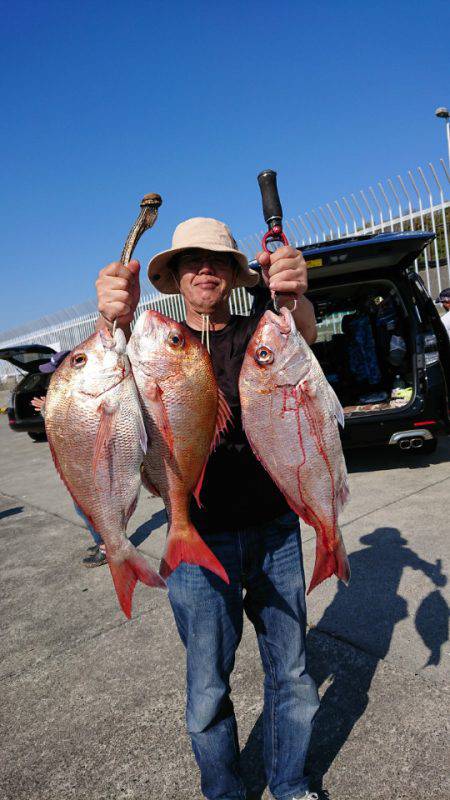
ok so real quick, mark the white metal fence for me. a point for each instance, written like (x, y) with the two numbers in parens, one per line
(417, 202)
(70, 328)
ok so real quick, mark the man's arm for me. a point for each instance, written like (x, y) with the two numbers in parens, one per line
(304, 318)
(285, 271)
(118, 294)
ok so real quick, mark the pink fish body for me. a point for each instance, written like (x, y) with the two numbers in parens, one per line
(183, 411)
(97, 439)
(290, 415)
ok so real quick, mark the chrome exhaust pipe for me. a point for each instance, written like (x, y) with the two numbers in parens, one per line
(413, 438)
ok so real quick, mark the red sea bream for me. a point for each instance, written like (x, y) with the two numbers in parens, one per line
(290, 415)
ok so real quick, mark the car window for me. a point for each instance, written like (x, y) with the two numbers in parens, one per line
(331, 324)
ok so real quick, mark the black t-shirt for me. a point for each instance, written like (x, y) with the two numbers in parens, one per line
(237, 492)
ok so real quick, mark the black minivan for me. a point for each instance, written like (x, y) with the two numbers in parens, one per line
(21, 414)
(381, 342)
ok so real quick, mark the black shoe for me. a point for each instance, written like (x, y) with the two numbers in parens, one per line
(93, 548)
(95, 560)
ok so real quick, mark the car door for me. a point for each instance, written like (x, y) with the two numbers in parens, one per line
(431, 318)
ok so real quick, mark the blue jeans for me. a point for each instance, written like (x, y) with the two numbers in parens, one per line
(266, 562)
(96, 536)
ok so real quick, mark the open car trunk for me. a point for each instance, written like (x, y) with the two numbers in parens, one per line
(27, 357)
(365, 344)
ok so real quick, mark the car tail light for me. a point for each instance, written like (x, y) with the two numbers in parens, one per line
(431, 351)
(424, 422)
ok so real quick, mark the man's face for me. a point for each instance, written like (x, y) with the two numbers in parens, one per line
(205, 278)
(446, 304)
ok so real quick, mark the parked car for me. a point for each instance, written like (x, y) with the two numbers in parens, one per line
(381, 342)
(21, 414)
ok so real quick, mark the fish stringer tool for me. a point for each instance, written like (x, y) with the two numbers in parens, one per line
(146, 219)
(275, 237)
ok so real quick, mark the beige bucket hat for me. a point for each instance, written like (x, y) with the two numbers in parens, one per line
(206, 234)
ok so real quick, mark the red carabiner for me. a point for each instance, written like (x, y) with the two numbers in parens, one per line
(275, 234)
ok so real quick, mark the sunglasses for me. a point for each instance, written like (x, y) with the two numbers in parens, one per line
(215, 260)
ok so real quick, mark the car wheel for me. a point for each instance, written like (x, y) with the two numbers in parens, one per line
(37, 437)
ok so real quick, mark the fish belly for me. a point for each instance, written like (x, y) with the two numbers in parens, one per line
(302, 453)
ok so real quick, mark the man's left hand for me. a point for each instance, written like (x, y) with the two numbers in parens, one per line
(284, 272)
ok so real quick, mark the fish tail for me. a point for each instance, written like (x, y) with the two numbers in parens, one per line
(127, 573)
(185, 544)
(330, 563)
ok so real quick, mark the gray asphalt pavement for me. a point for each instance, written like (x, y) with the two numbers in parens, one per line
(92, 704)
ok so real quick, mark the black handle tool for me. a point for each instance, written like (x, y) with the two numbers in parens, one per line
(273, 215)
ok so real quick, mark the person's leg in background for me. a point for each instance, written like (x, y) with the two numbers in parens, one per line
(97, 552)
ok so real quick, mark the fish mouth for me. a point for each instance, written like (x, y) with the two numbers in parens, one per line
(282, 320)
(125, 374)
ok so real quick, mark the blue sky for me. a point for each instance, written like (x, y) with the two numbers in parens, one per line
(103, 102)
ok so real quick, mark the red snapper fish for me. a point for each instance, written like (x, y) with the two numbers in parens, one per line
(290, 415)
(97, 439)
(184, 412)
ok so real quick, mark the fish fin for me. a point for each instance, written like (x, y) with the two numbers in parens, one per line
(342, 496)
(143, 438)
(335, 406)
(199, 485)
(154, 394)
(224, 417)
(127, 573)
(105, 432)
(187, 546)
(330, 563)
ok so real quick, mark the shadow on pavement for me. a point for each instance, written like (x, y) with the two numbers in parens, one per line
(365, 613)
(9, 512)
(431, 623)
(143, 532)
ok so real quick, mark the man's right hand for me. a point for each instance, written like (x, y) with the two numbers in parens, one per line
(118, 292)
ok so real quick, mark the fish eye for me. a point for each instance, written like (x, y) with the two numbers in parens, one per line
(78, 360)
(264, 355)
(175, 339)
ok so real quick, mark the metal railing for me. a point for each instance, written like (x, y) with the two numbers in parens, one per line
(68, 331)
(417, 202)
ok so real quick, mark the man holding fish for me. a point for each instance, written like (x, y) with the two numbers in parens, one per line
(235, 518)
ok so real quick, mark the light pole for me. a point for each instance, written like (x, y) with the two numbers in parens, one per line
(444, 113)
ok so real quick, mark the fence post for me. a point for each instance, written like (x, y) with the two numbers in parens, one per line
(422, 224)
(381, 187)
(411, 218)
(444, 218)
(433, 223)
(400, 213)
